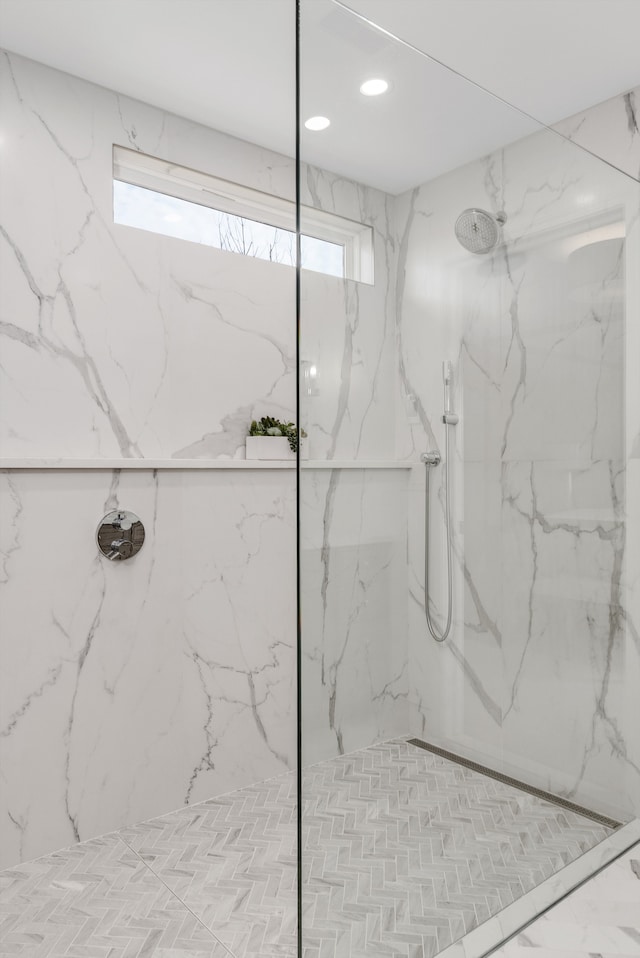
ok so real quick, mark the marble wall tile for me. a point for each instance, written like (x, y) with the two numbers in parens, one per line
(353, 524)
(133, 688)
(162, 687)
(610, 130)
(180, 664)
(630, 584)
(100, 320)
(353, 574)
(630, 578)
(535, 679)
(564, 663)
(348, 332)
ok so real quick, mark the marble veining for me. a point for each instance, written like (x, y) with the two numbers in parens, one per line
(538, 678)
(113, 670)
(178, 659)
(611, 130)
(353, 526)
(348, 333)
(127, 692)
(101, 321)
(353, 550)
(546, 584)
(600, 917)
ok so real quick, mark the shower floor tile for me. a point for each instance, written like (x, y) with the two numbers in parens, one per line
(404, 852)
(97, 899)
(232, 860)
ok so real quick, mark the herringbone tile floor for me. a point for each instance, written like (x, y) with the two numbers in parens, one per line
(232, 860)
(403, 853)
(96, 899)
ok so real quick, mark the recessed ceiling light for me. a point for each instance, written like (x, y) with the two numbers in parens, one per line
(317, 123)
(374, 87)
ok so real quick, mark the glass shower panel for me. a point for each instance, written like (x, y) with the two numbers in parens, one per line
(509, 748)
(135, 350)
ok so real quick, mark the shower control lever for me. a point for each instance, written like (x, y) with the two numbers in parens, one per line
(120, 549)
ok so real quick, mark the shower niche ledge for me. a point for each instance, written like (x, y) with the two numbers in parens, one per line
(189, 464)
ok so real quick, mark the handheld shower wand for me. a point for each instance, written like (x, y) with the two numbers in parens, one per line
(449, 418)
(430, 459)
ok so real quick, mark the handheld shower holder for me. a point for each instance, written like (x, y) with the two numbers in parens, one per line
(432, 458)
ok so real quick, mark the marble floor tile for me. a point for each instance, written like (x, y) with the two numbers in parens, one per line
(404, 852)
(232, 860)
(94, 900)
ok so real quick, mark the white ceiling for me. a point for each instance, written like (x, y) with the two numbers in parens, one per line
(230, 64)
(550, 58)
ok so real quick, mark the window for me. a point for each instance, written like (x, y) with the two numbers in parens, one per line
(155, 195)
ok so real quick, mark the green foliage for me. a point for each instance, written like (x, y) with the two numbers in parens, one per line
(268, 426)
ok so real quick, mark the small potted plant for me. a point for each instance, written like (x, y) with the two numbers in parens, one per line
(271, 439)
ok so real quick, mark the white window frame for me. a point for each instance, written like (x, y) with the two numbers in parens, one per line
(150, 172)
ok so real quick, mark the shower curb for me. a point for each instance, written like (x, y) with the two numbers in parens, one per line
(603, 820)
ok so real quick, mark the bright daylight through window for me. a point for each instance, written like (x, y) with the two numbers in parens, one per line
(154, 195)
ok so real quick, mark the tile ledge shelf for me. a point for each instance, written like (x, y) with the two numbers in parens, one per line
(188, 464)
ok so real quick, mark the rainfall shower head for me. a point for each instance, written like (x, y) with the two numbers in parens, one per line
(479, 231)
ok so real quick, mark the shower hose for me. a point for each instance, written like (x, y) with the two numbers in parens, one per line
(431, 460)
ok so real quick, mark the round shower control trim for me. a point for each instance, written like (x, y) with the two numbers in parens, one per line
(120, 535)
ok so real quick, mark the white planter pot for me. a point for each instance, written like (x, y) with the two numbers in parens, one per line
(273, 447)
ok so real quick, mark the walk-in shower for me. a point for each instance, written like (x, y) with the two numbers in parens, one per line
(248, 721)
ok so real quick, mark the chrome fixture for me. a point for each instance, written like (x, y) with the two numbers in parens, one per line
(516, 783)
(120, 535)
(449, 418)
(431, 459)
(309, 378)
(479, 231)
